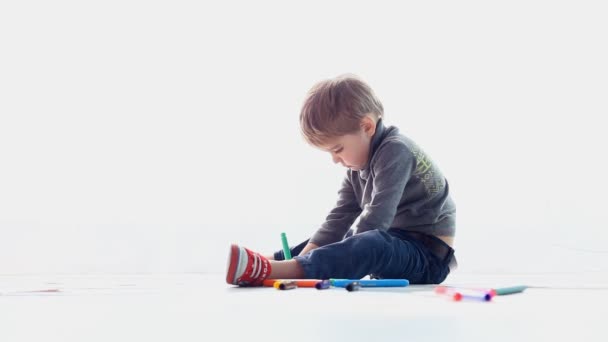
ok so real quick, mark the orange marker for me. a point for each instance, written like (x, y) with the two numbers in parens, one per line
(270, 282)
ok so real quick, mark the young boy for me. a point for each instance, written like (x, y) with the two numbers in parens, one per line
(406, 215)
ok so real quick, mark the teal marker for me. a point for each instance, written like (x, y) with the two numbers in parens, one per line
(286, 250)
(509, 290)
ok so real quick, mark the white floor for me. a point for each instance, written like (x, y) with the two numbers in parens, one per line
(192, 307)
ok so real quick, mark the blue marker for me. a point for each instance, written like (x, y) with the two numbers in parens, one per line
(371, 282)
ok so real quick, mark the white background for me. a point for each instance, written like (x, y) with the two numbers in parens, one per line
(146, 136)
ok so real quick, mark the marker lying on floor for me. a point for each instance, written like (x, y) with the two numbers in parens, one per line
(458, 294)
(371, 282)
(286, 285)
(353, 286)
(509, 290)
(299, 282)
(491, 292)
(323, 284)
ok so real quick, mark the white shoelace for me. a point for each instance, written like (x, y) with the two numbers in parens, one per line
(257, 267)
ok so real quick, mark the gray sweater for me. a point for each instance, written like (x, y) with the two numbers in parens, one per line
(399, 188)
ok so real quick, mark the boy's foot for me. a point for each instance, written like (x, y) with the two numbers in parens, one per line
(246, 268)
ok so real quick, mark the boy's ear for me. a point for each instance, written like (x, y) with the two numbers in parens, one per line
(368, 125)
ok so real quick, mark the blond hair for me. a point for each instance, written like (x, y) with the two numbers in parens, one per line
(335, 107)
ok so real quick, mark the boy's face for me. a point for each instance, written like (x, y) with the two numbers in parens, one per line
(352, 150)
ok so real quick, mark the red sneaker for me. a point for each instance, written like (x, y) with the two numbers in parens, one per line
(246, 268)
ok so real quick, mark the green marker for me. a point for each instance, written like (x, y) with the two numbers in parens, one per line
(286, 250)
(509, 290)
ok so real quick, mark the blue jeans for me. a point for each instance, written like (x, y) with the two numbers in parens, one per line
(392, 254)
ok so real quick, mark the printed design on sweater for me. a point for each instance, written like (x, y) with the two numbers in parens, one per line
(433, 181)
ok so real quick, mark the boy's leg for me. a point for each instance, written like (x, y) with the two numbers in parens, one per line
(373, 252)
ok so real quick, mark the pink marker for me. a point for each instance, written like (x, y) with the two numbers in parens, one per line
(459, 294)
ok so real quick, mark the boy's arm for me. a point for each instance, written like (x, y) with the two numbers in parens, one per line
(339, 220)
(393, 168)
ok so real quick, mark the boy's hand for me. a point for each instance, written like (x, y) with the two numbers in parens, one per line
(309, 247)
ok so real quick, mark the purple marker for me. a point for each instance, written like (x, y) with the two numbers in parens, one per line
(323, 284)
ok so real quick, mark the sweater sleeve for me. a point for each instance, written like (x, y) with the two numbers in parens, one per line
(340, 218)
(392, 169)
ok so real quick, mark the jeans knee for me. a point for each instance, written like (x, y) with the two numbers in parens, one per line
(372, 240)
